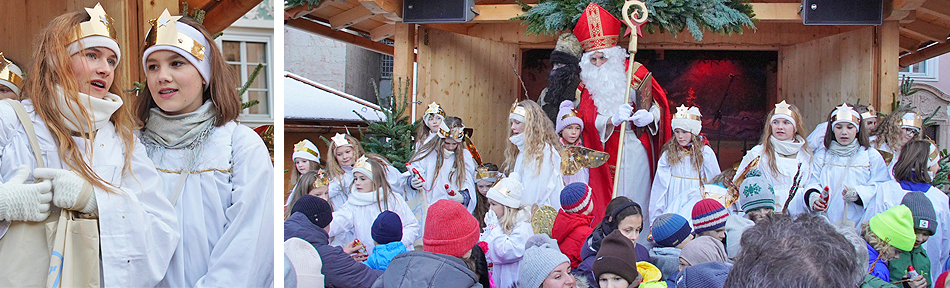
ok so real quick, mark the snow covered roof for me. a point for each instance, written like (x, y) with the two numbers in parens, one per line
(305, 99)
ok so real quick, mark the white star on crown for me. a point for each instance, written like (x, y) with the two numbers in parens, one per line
(339, 139)
(681, 111)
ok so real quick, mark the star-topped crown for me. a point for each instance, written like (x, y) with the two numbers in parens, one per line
(339, 140)
(434, 108)
(455, 133)
(7, 74)
(783, 108)
(682, 113)
(301, 146)
(322, 179)
(99, 24)
(164, 32)
(870, 114)
(519, 110)
(363, 163)
(911, 119)
(482, 173)
(845, 113)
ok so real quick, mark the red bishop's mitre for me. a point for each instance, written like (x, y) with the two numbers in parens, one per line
(597, 29)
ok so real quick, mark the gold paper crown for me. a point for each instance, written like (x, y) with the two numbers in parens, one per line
(454, 133)
(783, 108)
(322, 179)
(870, 114)
(164, 32)
(845, 113)
(484, 173)
(681, 113)
(519, 110)
(99, 24)
(363, 163)
(301, 147)
(934, 153)
(339, 140)
(7, 74)
(917, 121)
(434, 108)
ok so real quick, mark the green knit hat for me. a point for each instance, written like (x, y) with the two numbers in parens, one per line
(895, 226)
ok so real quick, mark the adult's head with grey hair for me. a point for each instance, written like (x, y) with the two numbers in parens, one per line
(860, 247)
(807, 245)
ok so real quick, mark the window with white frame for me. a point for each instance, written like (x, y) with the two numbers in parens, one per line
(244, 50)
(922, 71)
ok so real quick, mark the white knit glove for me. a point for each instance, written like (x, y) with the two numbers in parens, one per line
(67, 186)
(815, 200)
(24, 202)
(623, 114)
(415, 183)
(849, 194)
(491, 220)
(642, 118)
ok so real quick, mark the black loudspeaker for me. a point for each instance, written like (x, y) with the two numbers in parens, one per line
(438, 11)
(842, 12)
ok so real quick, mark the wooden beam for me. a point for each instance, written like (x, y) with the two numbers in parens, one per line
(222, 13)
(908, 44)
(911, 17)
(924, 54)
(454, 28)
(300, 10)
(781, 12)
(404, 55)
(350, 17)
(936, 7)
(321, 29)
(925, 31)
(382, 32)
(384, 6)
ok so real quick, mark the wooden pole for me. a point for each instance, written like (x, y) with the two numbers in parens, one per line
(632, 48)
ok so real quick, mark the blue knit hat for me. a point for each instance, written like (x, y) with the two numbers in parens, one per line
(708, 214)
(670, 229)
(575, 198)
(703, 275)
(387, 228)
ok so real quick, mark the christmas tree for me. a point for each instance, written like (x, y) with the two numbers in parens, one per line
(391, 138)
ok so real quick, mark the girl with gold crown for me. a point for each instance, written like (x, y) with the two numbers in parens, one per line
(94, 164)
(11, 78)
(342, 154)
(371, 195)
(446, 168)
(313, 183)
(533, 152)
(431, 121)
(896, 129)
(782, 155)
(306, 158)
(684, 167)
(847, 166)
(217, 172)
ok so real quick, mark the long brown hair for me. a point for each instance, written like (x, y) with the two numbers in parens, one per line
(435, 146)
(912, 163)
(861, 137)
(481, 202)
(768, 150)
(675, 153)
(222, 89)
(538, 131)
(303, 187)
(51, 71)
(889, 130)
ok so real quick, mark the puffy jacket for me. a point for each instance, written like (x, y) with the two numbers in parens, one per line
(589, 254)
(417, 269)
(879, 268)
(339, 269)
(570, 230)
(383, 254)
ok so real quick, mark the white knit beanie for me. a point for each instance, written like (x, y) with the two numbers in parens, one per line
(687, 119)
(507, 191)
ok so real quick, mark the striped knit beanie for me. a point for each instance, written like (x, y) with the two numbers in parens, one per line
(575, 198)
(670, 229)
(708, 214)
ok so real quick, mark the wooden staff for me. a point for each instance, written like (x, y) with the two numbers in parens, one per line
(632, 48)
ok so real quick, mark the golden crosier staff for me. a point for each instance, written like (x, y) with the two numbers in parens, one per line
(632, 48)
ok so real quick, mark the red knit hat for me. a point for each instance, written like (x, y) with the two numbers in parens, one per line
(708, 214)
(449, 229)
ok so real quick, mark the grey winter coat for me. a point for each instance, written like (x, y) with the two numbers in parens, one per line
(426, 269)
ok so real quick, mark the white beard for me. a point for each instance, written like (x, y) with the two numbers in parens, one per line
(607, 82)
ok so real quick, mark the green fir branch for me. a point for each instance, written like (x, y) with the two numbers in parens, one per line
(392, 137)
(295, 3)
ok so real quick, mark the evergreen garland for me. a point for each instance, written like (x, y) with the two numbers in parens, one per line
(719, 16)
(941, 180)
(391, 138)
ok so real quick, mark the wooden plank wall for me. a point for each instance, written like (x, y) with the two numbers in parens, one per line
(472, 79)
(820, 74)
(24, 19)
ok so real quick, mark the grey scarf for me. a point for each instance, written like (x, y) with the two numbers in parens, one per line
(844, 150)
(183, 131)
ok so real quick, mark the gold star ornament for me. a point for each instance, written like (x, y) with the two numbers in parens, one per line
(99, 24)
(162, 33)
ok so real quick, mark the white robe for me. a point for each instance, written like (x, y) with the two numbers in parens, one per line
(225, 209)
(863, 171)
(505, 251)
(890, 194)
(817, 137)
(354, 220)
(435, 186)
(137, 223)
(782, 182)
(339, 188)
(540, 187)
(677, 188)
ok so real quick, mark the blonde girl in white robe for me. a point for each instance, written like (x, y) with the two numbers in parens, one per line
(847, 166)
(343, 152)
(446, 166)
(88, 146)
(684, 167)
(918, 155)
(431, 121)
(507, 229)
(217, 172)
(532, 153)
(783, 153)
(371, 195)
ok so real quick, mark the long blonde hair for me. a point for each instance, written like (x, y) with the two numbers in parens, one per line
(889, 130)
(768, 150)
(538, 131)
(303, 187)
(333, 166)
(51, 71)
(435, 146)
(675, 153)
(508, 222)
